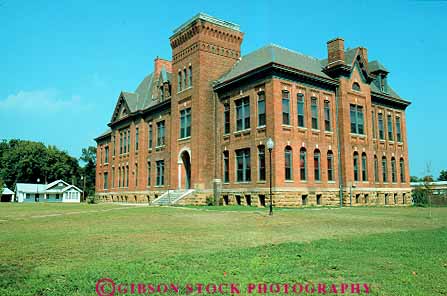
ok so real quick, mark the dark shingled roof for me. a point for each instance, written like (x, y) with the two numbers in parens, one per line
(274, 54)
(376, 66)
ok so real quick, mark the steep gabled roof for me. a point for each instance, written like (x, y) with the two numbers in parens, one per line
(375, 66)
(274, 54)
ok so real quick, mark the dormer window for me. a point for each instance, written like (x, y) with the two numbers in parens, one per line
(356, 86)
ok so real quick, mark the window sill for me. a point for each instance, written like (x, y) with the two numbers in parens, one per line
(357, 135)
(302, 128)
(243, 182)
(331, 182)
(184, 139)
(303, 181)
(185, 89)
(157, 148)
(289, 181)
(286, 126)
(242, 132)
(315, 130)
(261, 182)
(329, 132)
(159, 186)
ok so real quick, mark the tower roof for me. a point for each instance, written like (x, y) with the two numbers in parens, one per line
(208, 18)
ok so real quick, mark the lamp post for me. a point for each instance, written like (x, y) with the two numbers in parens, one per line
(270, 145)
(36, 198)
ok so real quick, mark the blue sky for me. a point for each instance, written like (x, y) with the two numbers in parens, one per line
(64, 63)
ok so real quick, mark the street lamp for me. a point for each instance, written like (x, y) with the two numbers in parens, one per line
(36, 198)
(270, 145)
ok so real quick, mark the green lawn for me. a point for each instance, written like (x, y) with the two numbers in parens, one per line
(60, 249)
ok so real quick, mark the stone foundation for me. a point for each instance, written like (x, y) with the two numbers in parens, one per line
(280, 199)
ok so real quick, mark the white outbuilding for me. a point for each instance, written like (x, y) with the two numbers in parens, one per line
(57, 191)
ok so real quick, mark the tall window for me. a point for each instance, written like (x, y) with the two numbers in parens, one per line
(106, 154)
(242, 113)
(185, 78)
(114, 145)
(398, 130)
(384, 170)
(330, 166)
(185, 123)
(356, 166)
(113, 177)
(226, 167)
(285, 107)
(190, 76)
(128, 140)
(317, 165)
(314, 109)
(390, 128)
(160, 172)
(148, 174)
(125, 141)
(161, 133)
(226, 119)
(261, 109)
(179, 81)
(136, 174)
(373, 123)
(364, 167)
(376, 169)
(303, 176)
(402, 170)
(136, 138)
(327, 116)
(300, 108)
(127, 176)
(288, 163)
(357, 125)
(150, 136)
(381, 129)
(261, 162)
(393, 170)
(243, 171)
(121, 142)
(106, 180)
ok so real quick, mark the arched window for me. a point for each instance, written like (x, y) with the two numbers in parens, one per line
(384, 170)
(261, 163)
(288, 163)
(226, 167)
(356, 86)
(376, 169)
(356, 166)
(364, 167)
(402, 170)
(317, 175)
(330, 166)
(303, 164)
(393, 170)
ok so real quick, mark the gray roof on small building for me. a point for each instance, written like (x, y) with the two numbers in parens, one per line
(275, 54)
(7, 191)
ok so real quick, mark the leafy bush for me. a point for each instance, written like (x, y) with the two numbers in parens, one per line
(93, 199)
(420, 196)
(210, 200)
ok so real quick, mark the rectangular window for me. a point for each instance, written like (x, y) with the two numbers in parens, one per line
(226, 167)
(113, 177)
(317, 175)
(376, 169)
(402, 171)
(285, 108)
(161, 133)
(242, 114)
(327, 116)
(160, 172)
(330, 166)
(243, 170)
(393, 170)
(373, 122)
(381, 129)
(137, 136)
(288, 164)
(106, 154)
(384, 170)
(398, 130)
(357, 122)
(136, 174)
(356, 166)
(179, 81)
(114, 145)
(261, 163)
(227, 119)
(390, 128)
(190, 76)
(184, 78)
(128, 140)
(314, 111)
(300, 108)
(148, 174)
(125, 142)
(261, 109)
(364, 168)
(185, 123)
(106, 180)
(303, 164)
(150, 136)
(127, 176)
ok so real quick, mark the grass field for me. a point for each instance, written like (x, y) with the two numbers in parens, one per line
(59, 249)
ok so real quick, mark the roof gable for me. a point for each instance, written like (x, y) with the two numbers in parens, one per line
(122, 108)
(58, 185)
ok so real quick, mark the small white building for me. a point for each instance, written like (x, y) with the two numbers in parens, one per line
(57, 191)
(6, 195)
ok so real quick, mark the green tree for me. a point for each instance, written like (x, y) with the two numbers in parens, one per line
(414, 179)
(443, 176)
(88, 157)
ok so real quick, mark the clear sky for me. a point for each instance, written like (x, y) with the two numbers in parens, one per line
(64, 63)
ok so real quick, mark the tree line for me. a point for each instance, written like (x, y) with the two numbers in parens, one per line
(430, 178)
(24, 161)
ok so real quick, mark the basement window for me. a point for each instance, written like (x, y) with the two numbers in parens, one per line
(262, 200)
(304, 199)
(238, 200)
(225, 199)
(319, 198)
(248, 200)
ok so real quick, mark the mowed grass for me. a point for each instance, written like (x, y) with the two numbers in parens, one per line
(60, 249)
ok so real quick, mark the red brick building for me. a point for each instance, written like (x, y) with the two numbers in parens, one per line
(196, 128)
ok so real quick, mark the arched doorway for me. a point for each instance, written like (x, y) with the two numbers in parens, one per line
(184, 169)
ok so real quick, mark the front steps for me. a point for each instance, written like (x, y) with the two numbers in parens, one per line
(171, 197)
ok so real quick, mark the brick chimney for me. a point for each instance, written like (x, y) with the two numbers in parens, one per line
(335, 52)
(364, 53)
(159, 62)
